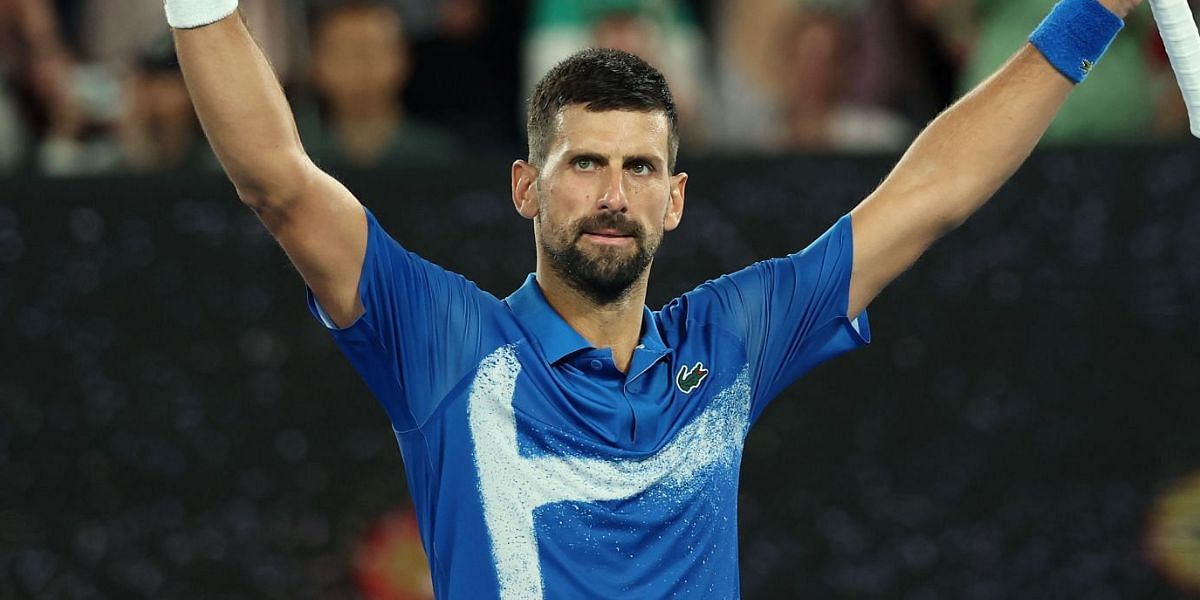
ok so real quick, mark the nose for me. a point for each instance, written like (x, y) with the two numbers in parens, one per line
(614, 198)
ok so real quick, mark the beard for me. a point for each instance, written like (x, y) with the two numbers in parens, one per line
(603, 274)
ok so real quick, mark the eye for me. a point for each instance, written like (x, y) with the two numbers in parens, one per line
(584, 163)
(642, 168)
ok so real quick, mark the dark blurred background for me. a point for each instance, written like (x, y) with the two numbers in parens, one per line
(173, 424)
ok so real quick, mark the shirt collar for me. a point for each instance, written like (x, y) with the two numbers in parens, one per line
(556, 337)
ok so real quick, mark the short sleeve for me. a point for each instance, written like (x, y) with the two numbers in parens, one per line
(790, 311)
(420, 333)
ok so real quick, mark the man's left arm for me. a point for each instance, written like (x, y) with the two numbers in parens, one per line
(955, 165)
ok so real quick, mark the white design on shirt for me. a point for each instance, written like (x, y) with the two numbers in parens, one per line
(513, 486)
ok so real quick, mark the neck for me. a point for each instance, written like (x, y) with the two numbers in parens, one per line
(364, 137)
(367, 112)
(616, 325)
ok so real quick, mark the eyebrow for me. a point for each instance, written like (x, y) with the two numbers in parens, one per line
(627, 160)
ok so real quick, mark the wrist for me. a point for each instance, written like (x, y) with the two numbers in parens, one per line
(1120, 8)
(188, 14)
(1075, 35)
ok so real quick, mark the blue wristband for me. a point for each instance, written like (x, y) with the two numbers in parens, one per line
(1074, 36)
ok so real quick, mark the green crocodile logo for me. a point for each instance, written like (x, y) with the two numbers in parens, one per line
(690, 379)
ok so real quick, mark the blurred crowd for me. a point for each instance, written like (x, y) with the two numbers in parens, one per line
(93, 86)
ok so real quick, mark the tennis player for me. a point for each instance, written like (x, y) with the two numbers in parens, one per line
(567, 441)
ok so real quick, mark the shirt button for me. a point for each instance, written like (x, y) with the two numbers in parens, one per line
(596, 364)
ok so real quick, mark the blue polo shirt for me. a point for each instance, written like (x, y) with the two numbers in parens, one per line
(538, 469)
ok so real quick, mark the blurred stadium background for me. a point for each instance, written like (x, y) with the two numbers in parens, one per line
(173, 424)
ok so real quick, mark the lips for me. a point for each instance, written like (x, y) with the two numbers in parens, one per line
(608, 228)
(609, 233)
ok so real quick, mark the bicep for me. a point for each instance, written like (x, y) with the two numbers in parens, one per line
(891, 231)
(323, 230)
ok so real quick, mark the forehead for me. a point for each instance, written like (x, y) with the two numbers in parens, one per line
(612, 131)
(358, 25)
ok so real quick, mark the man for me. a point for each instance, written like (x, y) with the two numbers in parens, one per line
(360, 68)
(567, 442)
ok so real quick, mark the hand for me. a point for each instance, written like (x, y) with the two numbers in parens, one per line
(1121, 8)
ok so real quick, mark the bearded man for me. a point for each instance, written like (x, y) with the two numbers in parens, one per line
(567, 441)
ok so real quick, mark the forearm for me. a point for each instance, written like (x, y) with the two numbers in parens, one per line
(242, 109)
(965, 154)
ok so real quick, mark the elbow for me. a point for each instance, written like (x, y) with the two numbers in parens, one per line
(952, 202)
(273, 189)
(952, 220)
(939, 208)
(261, 198)
(963, 206)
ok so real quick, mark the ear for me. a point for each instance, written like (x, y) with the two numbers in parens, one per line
(675, 206)
(524, 177)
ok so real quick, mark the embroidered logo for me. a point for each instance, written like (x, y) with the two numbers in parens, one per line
(690, 379)
(1086, 66)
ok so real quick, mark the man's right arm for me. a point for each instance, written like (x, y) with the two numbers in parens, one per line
(244, 113)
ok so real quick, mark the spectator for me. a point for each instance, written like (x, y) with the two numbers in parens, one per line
(28, 29)
(816, 111)
(747, 85)
(160, 131)
(147, 125)
(1127, 83)
(422, 18)
(82, 107)
(785, 76)
(360, 65)
(32, 58)
(663, 32)
(68, 107)
(466, 73)
(119, 33)
(911, 54)
(111, 101)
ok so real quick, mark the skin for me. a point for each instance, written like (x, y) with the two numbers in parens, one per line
(600, 163)
(360, 64)
(950, 170)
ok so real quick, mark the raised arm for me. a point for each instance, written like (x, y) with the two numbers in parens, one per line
(955, 166)
(246, 118)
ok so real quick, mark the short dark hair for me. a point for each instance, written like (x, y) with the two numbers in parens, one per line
(600, 79)
(322, 11)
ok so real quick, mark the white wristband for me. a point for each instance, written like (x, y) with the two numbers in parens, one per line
(186, 14)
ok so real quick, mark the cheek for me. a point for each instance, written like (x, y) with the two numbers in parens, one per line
(550, 225)
(562, 201)
(655, 196)
(574, 191)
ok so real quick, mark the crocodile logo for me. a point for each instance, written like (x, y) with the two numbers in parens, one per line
(689, 379)
(1086, 66)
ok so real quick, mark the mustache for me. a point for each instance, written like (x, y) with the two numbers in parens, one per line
(608, 220)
